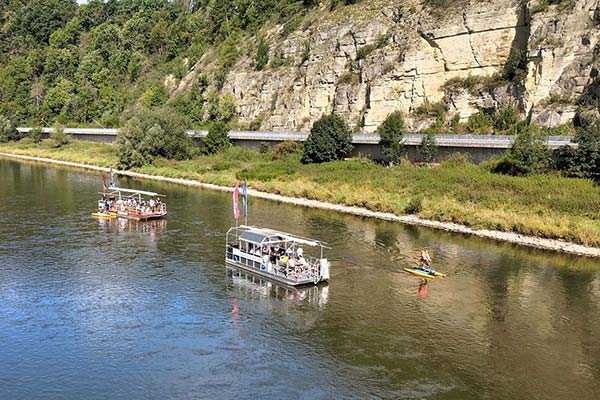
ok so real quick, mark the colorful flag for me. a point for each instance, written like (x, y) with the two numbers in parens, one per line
(236, 208)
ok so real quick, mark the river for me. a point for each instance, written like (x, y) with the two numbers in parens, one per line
(98, 309)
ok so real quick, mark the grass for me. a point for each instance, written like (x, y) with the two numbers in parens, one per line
(548, 206)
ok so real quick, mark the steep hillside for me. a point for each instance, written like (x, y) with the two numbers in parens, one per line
(367, 60)
(281, 65)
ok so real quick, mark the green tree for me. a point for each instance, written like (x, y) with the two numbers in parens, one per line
(58, 97)
(262, 55)
(154, 96)
(148, 134)
(39, 18)
(428, 149)
(584, 160)
(217, 139)
(330, 139)
(58, 137)
(8, 131)
(36, 135)
(391, 132)
(528, 155)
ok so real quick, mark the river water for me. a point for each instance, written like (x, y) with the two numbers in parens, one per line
(122, 310)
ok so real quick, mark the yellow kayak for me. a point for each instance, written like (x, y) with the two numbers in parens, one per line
(424, 274)
(104, 215)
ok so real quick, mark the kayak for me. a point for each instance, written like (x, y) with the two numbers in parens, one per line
(103, 215)
(425, 274)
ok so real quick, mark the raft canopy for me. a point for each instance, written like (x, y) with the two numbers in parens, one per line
(265, 236)
(134, 191)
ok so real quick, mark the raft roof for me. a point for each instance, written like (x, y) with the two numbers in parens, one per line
(258, 235)
(134, 191)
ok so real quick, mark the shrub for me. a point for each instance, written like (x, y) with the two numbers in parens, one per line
(391, 132)
(262, 55)
(528, 155)
(8, 131)
(58, 137)
(330, 139)
(217, 139)
(287, 148)
(148, 134)
(428, 148)
(221, 108)
(36, 135)
(414, 206)
(583, 161)
(505, 118)
(480, 123)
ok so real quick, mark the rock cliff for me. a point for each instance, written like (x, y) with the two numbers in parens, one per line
(370, 59)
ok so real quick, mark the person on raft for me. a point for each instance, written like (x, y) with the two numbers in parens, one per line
(425, 259)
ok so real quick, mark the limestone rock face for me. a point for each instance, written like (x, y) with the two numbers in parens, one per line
(368, 60)
(561, 52)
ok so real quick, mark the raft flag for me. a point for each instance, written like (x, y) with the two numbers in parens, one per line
(236, 208)
(244, 192)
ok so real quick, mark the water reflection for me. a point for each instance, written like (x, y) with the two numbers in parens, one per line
(152, 228)
(248, 285)
(152, 310)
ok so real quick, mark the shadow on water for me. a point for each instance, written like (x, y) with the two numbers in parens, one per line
(153, 311)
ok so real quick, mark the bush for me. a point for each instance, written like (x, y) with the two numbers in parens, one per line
(217, 139)
(391, 132)
(36, 135)
(330, 139)
(414, 206)
(8, 130)
(262, 55)
(287, 148)
(505, 118)
(583, 161)
(528, 155)
(480, 123)
(58, 137)
(148, 134)
(428, 148)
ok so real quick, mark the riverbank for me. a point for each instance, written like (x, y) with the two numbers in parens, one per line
(547, 212)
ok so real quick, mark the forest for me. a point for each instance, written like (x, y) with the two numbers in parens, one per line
(84, 65)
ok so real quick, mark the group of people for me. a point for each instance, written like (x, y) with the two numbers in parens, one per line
(109, 204)
(106, 204)
(151, 206)
(288, 262)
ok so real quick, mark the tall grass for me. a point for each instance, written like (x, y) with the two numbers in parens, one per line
(547, 206)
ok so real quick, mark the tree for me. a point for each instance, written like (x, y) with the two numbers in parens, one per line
(330, 139)
(584, 160)
(528, 155)
(148, 134)
(8, 131)
(39, 18)
(428, 148)
(391, 132)
(262, 55)
(36, 135)
(217, 139)
(58, 137)
(588, 151)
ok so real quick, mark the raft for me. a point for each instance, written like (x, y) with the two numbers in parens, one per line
(424, 274)
(104, 215)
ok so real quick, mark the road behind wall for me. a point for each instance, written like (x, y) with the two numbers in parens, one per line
(477, 147)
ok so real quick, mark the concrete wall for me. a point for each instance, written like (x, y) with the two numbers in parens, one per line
(477, 147)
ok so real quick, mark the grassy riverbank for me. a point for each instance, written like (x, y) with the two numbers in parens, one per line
(546, 206)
